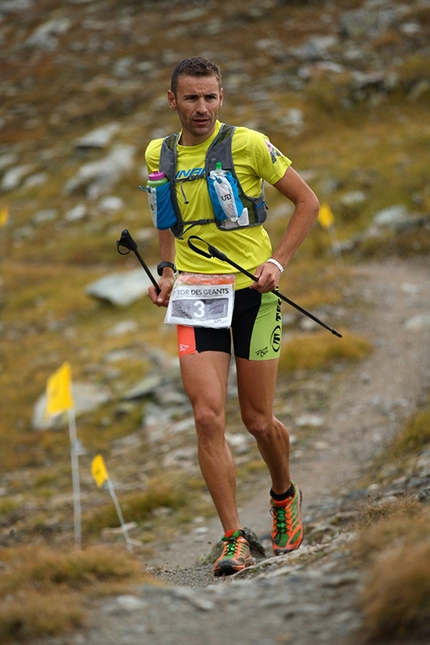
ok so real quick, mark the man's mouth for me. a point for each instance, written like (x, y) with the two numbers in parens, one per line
(201, 122)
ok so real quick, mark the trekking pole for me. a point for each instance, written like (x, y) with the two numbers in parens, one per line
(127, 242)
(213, 252)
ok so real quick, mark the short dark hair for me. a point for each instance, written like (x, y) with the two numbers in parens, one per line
(195, 66)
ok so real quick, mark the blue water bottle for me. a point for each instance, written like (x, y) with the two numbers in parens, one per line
(160, 202)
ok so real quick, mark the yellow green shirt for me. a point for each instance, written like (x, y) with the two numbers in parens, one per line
(255, 159)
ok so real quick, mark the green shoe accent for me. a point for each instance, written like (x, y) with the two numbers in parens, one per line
(235, 556)
(287, 531)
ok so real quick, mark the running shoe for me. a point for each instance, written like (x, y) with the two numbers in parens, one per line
(235, 556)
(287, 532)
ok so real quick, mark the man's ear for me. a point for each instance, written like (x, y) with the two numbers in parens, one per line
(221, 96)
(171, 99)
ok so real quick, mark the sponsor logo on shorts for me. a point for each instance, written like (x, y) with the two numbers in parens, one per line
(262, 352)
(275, 340)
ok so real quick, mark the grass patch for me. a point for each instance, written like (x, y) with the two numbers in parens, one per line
(316, 351)
(396, 597)
(141, 506)
(414, 438)
(410, 442)
(31, 615)
(393, 545)
(46, 593)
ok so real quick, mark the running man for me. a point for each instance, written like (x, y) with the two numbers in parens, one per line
(196, 95)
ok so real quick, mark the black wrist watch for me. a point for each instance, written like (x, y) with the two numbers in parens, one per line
(162, 265)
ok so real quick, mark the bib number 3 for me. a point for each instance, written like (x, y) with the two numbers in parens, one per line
(200, 300)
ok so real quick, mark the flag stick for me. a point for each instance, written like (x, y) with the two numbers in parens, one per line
(335, 246)
(74, 452)
(120, 515)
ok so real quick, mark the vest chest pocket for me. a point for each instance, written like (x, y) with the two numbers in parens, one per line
(162, 210)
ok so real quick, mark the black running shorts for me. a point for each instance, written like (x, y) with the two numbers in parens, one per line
(256, 329)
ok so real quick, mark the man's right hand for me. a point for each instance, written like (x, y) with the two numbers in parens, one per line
(166, 285)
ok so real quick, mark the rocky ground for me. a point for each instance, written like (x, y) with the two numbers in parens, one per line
(311, 596)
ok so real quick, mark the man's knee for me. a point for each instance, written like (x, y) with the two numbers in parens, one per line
(258, 425)
(208, 421)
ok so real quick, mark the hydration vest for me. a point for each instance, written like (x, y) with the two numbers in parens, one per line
(219, 152)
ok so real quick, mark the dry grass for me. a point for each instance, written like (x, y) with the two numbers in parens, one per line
(31, 615)
(396, 597)
(45, 593)
(414, 438)
(390, 524)
(407, 445)
(318, 350)
(138, 506)
(393, 547)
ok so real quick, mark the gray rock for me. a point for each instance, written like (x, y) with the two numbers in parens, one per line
(98, 138)
(13, 177)
(353, 198)
(424, 496)
(121, 289)
(371, 19)
(123, 327)
(15, 6)
(315, 49)
(111, 203)
(418, 322)
(8, 159)
(76, 213)
(38, 179)
(391, 217)
(44, 216)
(97, 178)
(146, 387)
(44, 35)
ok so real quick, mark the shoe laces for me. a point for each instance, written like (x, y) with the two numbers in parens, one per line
(284, 518)
(279, 516)
(232, 545)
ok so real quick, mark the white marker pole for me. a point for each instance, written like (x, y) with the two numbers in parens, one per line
(74, 452)
(120, 515)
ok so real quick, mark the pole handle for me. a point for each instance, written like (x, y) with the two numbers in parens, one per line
(127, 242)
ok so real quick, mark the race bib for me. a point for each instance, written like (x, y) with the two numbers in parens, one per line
(200, 300)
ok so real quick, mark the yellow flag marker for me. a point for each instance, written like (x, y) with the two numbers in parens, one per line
(325, 216)
(99, 470)
(4, 216)
(58, 391)
(59, 399)
(100, 474)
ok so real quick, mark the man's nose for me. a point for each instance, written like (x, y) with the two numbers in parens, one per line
(201, 106)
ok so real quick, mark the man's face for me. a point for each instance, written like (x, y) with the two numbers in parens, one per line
(197, 102)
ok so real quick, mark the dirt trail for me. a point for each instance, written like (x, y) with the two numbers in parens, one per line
(366, 406)
(367, 402)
